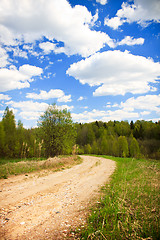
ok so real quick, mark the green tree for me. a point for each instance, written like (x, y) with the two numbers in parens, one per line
(90, 135)
(2, 139)
(19, 139)
(134, 148)
(114, 146)
(122, 128)
(9, 125)
(104, 146)
(87, 149)
(122, 146)
(95, 148)
(58, 131)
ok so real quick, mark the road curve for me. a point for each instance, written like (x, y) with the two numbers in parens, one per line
(46, 207)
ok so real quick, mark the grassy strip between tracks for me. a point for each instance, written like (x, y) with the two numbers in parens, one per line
(19, 166)
(129, 204)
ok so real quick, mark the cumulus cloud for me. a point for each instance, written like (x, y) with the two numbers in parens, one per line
(131, 109)
(80, 98)
(3, 57)
(17, 52)
(16, 79)
(116, 73)
(48, 47)
(147, 103)
(103, 2)
(53, 19)
(114, 22)
(141, 11)
(29, 105)
(130, 41)
(105, 116)
(4, 97)
(30, 110)
(53, 93)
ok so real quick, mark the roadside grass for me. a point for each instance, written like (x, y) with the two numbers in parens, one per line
(129, 204)
(23, 166)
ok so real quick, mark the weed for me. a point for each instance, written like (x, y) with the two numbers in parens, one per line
(129, 205)
(16, 167)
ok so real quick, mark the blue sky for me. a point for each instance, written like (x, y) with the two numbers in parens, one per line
(100, 59)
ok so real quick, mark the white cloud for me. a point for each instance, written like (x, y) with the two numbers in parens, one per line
(47, 47)
(80, 98)
(16, 79)
(30, 70)
(30, 110)
(33, 19)
(17, 52)
(30, 115)
(148, 102)
(145, 113)
(103, 2)
(114, 22)
(29, 106)
(4, 97)
(65, 98)
(130, 41)
(69, 108)
(53, 93)
(3, 57)
(116, 73)
(142, 11)
(104, 116)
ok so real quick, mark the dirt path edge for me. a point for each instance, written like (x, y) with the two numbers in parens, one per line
(47, 207)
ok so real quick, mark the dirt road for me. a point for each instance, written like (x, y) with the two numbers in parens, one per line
(47, 206)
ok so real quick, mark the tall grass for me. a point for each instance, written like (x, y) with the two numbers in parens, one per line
(129, 205)
(19, 166)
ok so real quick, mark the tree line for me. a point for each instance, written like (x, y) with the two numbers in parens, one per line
(121, 139)
(57, 134)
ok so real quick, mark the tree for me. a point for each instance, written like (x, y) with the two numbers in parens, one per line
(132, 125)
(58, 131)
(95, 149)
(134, 148)
(122, 128)
(87, 149)
(123, 146)
(90, 135)
(104, 147)
(2, 139)
(9, 125)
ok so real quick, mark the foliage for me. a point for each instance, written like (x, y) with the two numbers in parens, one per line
(56, 134)
(9, 126)
(139, 139)
(58, 131)
(129, 205)
(122, 146)
(134, 148)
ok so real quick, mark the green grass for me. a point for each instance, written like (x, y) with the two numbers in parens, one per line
(129, 205)
(10, 167)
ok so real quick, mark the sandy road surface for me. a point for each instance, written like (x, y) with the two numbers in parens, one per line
(46, 207)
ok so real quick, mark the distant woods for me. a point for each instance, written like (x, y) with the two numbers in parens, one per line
(121, 139)
(57, 134)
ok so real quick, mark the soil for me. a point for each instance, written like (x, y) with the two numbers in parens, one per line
(49, 205)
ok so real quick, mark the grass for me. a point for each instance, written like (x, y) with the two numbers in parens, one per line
(129, 204)
(18, 166)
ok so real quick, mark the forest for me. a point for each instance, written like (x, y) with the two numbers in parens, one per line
(56, 134)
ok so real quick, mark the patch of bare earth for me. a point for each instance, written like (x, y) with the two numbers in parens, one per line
(48, 206)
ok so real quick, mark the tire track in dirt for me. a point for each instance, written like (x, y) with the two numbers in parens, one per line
(46, 207)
